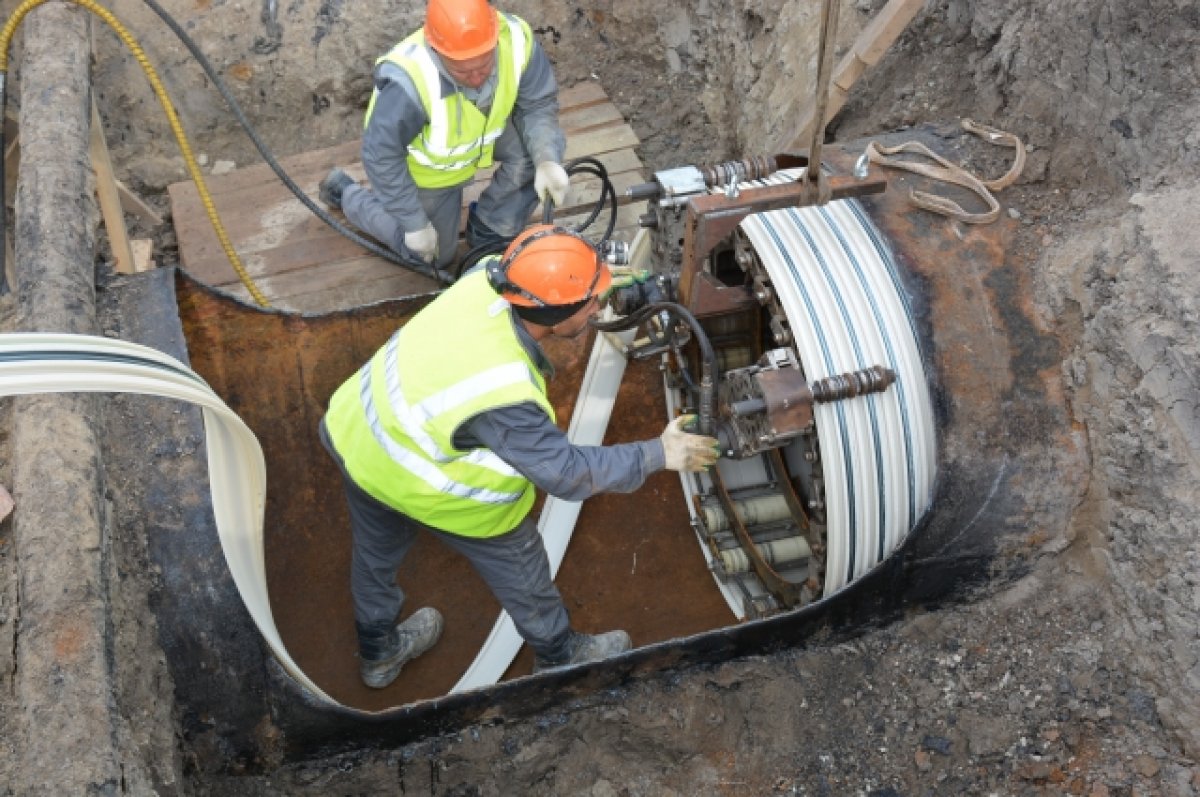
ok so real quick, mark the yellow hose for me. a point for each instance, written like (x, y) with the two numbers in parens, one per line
(6, 34)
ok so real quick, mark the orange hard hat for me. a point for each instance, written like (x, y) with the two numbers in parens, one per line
(461, 29)
(549, 266)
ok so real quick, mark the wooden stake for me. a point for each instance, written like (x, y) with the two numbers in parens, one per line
(875, 39)
(110, 200)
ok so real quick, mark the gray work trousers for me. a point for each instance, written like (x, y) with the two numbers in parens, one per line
(504, 207)
(513, 565)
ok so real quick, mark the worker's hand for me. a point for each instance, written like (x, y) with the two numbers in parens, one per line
(688, 452)
(551, 179)
(423, 243)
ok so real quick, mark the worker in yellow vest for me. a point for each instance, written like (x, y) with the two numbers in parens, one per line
(471, 87)
(448, 429)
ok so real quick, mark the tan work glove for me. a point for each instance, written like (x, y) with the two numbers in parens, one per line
(551, 179)
(423, 243)
(684, 451)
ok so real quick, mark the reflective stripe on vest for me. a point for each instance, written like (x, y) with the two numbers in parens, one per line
(393, 423)
(458, 139)
(418, 466)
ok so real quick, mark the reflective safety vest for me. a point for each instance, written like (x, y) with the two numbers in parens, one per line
(393, 422)
(458, 139)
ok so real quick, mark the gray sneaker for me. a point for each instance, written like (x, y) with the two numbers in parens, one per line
(586, 647)
(331, 188)
(402, 644)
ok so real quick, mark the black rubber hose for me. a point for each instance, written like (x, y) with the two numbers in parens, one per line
(608, 194)
(708, 355)
(585, 165)
(371, 246)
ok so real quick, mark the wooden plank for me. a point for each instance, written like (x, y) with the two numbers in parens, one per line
(580, 95)
(133, 204)
(874, 40)
(110, 200)
(214, 268)
(581, 120)
(143, 251)
(262, 216)
(346, 283)
(318, 161)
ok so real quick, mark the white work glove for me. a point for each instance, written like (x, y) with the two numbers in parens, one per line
(423, 243)
(551, 179)
(684, 451)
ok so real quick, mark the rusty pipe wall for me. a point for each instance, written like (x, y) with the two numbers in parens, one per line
(1009, 464)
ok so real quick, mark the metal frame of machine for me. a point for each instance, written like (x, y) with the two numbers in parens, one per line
(781, 323)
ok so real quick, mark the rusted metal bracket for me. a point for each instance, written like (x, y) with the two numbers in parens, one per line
(712, 217)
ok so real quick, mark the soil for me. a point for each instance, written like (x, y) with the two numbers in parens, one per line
(1081, 675)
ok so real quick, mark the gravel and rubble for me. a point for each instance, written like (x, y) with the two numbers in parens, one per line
(1026, 691)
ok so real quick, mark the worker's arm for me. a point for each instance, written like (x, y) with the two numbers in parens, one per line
(526, 438)
(535, 115)
(398, 117)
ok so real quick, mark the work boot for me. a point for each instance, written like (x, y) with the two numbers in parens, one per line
(585, 647)
(384, 651)
(479, 234)
(331, 188)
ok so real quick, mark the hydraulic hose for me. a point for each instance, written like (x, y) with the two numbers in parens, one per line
(6, 34)
(608, 195)
(366, 243)
(708, 368)
(585, 165)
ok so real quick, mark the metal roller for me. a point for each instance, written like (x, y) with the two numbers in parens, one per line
(757, 511)
(788, 549)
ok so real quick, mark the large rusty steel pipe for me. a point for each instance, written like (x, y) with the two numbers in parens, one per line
(1006, 455)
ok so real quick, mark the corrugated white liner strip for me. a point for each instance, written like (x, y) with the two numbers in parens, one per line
(237, 474)
(837, 282)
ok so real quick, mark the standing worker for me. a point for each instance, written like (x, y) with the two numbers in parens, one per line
(470, 87)
(448, 429)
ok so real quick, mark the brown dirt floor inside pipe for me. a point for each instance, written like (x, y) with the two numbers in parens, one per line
(633, 561)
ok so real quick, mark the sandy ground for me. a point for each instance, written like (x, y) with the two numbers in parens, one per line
(1081, 677)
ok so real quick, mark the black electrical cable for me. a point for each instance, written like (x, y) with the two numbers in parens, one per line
(371, 246)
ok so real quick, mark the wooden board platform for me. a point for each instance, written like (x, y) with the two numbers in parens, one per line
(300, 263)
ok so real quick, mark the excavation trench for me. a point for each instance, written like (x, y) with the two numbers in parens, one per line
(1007, 459)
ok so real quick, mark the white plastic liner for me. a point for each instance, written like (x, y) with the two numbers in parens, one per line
(48, 363)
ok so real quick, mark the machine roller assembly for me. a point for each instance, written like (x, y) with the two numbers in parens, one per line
(822, 401)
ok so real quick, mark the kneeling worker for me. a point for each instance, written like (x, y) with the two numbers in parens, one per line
(448, 429)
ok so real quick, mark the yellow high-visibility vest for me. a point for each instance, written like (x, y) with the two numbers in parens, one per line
(393, 422)
(458, 139)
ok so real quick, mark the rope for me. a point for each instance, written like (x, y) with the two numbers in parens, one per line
(6, 35)
(948, 172)
(816, 190)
